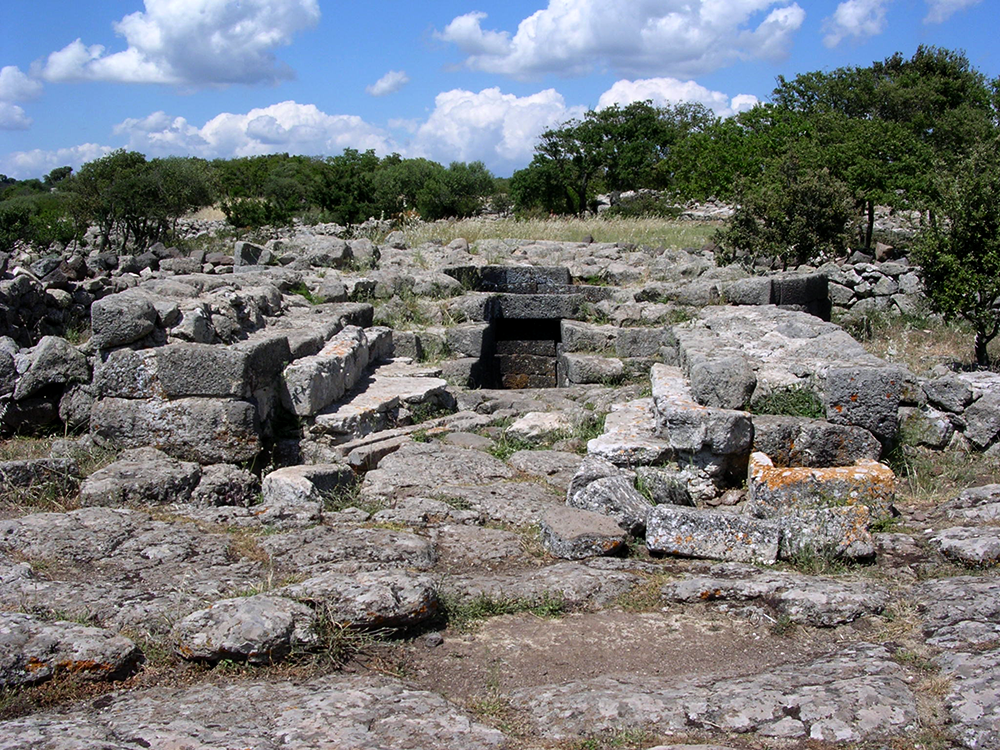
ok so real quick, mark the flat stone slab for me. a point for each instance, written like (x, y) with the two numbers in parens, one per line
(973, 546)
(575, 583)
(973, 702)
(817, 601)
(427, 468)
(348, 713)
(689, 532)
(375, 404)
(629, 437)
(848, 696)
(960, 613)
(975, 505)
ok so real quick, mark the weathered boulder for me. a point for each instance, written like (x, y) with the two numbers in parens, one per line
(369, 598)
(26, 475)
(948, 393)
(576, 534)
(617, 498)
(538, 426)
(975, 505)
(840, 532)
(33, 650)
(259, 629)
(982, 420)
(141, 476)
(53, 361)
(925, 426)
(313, 483)
(225, 485)
(121, 319)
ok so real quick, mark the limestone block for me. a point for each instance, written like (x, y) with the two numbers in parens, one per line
(205, 430)
(840, 532)
(576, 534)
(120, 319)
(800, 441)
(589, 368)
(617, 498)
(722, 382)
(312, 383)
(467, 339)
(865, 396)
(774, 491)
(630, 437)
(687, 532)
(691, 428)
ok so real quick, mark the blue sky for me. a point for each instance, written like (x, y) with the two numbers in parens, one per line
(449, 80)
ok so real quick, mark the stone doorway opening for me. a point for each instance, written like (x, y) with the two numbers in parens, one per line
(526, 352)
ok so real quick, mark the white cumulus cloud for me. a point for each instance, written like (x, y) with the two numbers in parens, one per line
(191, 43)
(682, 38)
(939, 11)
(287, 126)
(855, 19)
(390, 83)
(490, 126)
(16, 86)
(667, 91)
(38, 162)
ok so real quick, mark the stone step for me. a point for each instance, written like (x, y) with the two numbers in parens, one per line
(374, 404)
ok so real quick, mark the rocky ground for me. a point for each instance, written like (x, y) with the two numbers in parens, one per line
(504, 573)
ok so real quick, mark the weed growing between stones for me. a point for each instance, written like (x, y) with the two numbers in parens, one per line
(646, 596)
(467, 614)
(618, 739)
(791, 402)
(337, 642)
(303, 291)
(505, 446)
(349, 496)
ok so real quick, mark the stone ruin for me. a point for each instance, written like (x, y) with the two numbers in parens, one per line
(333, 401)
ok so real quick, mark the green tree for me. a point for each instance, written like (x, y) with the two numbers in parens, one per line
(797, 213)
(960, 250)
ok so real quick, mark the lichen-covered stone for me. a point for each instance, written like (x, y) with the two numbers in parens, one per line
(688, 532)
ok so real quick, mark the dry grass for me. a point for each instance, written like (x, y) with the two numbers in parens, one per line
(927, 477)
(916, 342)
(654, 232)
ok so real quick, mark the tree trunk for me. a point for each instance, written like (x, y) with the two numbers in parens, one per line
(871, 225)
(982, 355)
